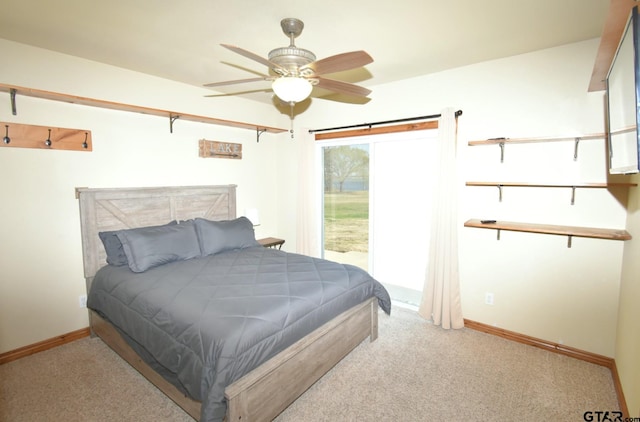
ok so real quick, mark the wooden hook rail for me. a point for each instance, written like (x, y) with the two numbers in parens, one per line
(45, 137)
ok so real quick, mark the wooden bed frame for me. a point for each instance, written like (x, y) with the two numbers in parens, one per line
(266, 391)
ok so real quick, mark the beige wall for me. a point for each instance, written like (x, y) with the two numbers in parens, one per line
(40, 255)
(628, 334)
(541, 287)
(584, 296)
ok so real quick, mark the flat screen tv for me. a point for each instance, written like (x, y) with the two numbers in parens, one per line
(623, 109)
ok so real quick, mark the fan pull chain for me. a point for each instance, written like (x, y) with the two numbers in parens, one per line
(291, 104)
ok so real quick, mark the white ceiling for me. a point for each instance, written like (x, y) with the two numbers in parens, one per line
(180, 40)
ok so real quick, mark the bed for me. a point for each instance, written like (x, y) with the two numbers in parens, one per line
(226, 328)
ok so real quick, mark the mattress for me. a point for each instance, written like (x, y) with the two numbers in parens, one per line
(205, 322)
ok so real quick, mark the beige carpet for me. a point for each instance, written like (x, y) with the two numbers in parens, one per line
(413, 372)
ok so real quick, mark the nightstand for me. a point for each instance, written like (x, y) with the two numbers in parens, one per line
(271, 242)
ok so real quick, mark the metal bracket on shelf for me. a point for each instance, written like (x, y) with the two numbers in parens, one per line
(501, 152)
(258, 133)
(499, 193)
(498, 236)
(569, 238)
(12, 93)
(573, 195)
(575, 149)
(172, 118)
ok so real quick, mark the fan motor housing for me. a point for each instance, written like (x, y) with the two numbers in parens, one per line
(291, 58)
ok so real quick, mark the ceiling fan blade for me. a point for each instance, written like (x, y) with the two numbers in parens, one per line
(233, 94)
(342, 87)
(238, 81)
(339, 62)
(255, 57)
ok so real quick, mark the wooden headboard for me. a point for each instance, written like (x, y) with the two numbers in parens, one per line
(126, 208)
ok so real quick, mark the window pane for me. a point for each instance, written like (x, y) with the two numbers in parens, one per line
(346, 204)
(401, 204)
(377, 207)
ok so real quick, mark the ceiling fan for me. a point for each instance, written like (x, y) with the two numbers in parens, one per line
(294, 71)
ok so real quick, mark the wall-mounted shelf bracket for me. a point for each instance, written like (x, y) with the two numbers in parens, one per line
(12, 94)
(501, 152)
(258, 133)
(500, 193)
(573, 195)
(575, 150)
(172, 118)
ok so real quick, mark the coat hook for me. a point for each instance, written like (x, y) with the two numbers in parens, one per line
(6, 138)
(48, 141)
(85, 145)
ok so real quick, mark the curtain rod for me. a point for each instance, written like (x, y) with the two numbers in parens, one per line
(408, 119)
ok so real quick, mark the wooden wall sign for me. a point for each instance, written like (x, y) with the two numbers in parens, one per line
(215, 149)
(44, 137)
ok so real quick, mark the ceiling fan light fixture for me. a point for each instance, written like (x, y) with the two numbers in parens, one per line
(292, 89)
(294, 71)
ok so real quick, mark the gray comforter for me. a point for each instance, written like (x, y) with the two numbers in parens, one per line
(205, 322)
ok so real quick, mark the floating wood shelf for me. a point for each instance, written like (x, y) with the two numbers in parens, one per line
(573, 187)
(570, 231)
(553, 185)
(171, 115)
(498, 141)
(504, 141)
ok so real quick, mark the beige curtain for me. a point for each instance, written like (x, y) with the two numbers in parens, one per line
(307, 230)
(441, 293)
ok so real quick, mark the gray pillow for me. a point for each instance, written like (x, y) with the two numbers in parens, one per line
(219, 236)
(148, 247)
(113, 246)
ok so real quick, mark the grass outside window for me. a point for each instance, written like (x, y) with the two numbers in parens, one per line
(346, 221)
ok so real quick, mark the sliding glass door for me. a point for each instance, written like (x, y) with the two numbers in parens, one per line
(377, 207)
(346, 203)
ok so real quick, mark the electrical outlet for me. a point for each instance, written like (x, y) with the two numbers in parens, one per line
(82, 301)
(488, 298)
